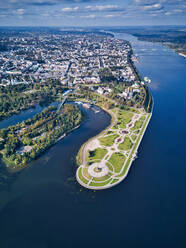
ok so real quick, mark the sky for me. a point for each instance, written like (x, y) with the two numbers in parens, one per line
(92, 12)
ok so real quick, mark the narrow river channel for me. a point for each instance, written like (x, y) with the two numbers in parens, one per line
(44, 207)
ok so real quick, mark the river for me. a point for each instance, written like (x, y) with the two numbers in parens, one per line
(44, 207)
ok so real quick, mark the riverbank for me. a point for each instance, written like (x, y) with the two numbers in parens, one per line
(107, 162)
(28, 140)
(182, 54)
(79, 158)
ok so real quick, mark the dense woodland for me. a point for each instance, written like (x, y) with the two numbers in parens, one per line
(15, 98)
(39, 133)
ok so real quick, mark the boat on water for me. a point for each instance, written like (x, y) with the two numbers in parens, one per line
(147, 80)
(79, 103)
(96, 110)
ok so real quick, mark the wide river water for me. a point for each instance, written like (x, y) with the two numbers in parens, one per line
(44, 207)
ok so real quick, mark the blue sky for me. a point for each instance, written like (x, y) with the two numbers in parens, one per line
(92, 12)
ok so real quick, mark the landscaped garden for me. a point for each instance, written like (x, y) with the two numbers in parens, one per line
(98, 153)
(126, 144)
(108, 140)
(116, 150)
(117, 160)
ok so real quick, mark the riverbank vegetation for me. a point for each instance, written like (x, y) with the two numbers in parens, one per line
(29, 139)
(148, 101)
(15, 98)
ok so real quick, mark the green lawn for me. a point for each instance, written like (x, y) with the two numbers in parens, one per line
(98, 153)
(135, 110)
(115, 127)
(134, 147)
(101, 179)
(81, 177)
(108, 140)
(138, 124)
(117, 160)
(124, 117)
(126, 145)
(85, 173)
(141, 133)
(125, 169)
(109, 166)
(133, 137)
(110, 132)
(97, 184)
(114, 181)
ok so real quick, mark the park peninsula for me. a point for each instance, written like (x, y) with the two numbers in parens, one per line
(64, 70)
(104, 161)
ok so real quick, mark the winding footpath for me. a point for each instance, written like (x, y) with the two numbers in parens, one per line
(88, 173)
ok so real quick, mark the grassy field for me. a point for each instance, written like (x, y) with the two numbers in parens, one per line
(85, 173)
(138, 123)
(108, 140)
(101, 183)
(125, 168)
(114, 181)
(98, 153)
(81, 177)
(134, 147)
(110, 166)
(126, 145)
(110, 132)
(124, 117)
(101, 179)
(115, 127)
(133, 137)
(117, 160)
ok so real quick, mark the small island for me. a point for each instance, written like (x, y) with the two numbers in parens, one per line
(21, 143)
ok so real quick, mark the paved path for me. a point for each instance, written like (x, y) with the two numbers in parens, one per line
(84, 150)
(130, 154)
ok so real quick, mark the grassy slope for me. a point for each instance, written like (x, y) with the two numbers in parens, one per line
(108, 140)
(126, 145)
(98, 153)
(117, 160)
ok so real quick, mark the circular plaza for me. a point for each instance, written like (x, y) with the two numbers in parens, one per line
(98, 170)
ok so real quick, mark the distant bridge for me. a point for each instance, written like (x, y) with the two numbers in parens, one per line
(60, 106)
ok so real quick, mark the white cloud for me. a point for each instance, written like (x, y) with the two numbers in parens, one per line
(89, 16)
(153, 6)
(109, 16)
(102, 7)
(69, 9)
(19, 11)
